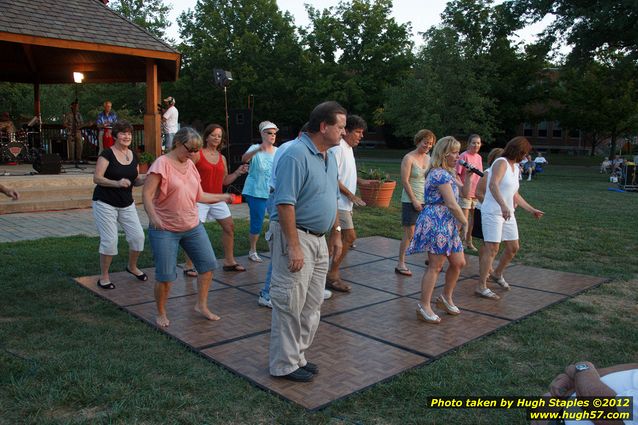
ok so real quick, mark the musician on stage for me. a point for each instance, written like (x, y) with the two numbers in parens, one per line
(6, 125)
(105, 121)
(73, 124)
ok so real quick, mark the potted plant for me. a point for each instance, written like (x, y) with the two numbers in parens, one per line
(145, 160)
(376, 187)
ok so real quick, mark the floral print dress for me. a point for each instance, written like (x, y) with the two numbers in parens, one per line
(436, 228)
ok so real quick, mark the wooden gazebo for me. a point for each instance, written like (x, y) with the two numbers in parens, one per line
(45, 42)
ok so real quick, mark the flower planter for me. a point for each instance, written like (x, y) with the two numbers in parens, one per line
(143, 168)
(376, 193)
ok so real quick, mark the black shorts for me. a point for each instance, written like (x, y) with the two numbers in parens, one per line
(408, 214)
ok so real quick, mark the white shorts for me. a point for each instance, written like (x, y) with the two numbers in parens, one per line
(210, 212)
(496, 229)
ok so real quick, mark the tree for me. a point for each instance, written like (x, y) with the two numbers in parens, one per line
(600, 98)
(591, 26)
(152, 15)
(256, 42)
(469, 77)
(357, 50)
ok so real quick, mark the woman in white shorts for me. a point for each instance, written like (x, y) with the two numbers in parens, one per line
(497, 215)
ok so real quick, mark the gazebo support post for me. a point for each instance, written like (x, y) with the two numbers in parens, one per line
(152, 119)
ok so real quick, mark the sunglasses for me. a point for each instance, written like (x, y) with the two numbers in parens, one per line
(270, 133)
(191, 150)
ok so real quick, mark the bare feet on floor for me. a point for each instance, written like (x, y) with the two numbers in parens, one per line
(162, 321)
(204, 311)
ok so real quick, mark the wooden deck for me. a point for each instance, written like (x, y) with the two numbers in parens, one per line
(365, 337)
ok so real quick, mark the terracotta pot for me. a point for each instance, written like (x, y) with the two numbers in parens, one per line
(376, 193)
(143, 168)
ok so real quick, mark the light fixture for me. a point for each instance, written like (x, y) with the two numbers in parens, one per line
(78, 77)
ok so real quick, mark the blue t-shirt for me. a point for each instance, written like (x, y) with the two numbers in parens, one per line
(257, 182)
(309, 182)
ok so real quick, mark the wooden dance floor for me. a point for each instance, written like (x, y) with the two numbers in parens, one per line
(365, 337)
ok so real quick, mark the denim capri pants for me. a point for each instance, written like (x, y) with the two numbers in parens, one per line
(165, 244)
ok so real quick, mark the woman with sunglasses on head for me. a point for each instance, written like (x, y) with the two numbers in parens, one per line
(497, 215)
(116, 172)
(438, 228)
(171, 193)
(256, 188)
(213, 170)
(413, 168)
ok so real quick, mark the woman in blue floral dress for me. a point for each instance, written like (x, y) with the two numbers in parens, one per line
(437, 230)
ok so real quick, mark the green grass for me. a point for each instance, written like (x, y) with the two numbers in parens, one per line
(67, 356)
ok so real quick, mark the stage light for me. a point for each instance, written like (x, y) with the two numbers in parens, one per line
(78, 77)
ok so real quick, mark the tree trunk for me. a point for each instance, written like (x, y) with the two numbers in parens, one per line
(612, 145)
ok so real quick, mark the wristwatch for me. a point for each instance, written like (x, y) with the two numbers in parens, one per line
(581, 367)
(338, 229)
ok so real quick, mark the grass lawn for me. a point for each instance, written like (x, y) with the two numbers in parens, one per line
(68, 357)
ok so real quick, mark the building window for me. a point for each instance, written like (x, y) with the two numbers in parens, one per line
(527, 129)
(542, 129)
(556, 130)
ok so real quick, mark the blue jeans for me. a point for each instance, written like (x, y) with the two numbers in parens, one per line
(265, 293)
(165, 244)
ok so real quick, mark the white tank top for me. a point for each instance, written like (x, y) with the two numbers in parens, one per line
(508, 188)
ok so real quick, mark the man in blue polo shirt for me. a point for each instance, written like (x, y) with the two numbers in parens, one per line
(305, 210)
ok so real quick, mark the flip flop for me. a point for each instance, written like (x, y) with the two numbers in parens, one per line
(108, 285)
(338, 285)
(141, 277)
(234, 268)
(190, 272)
(404, 271)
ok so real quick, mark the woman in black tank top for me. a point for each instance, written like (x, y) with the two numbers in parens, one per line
(116, 172)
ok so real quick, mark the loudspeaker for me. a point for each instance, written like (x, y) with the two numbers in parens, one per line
(48, 163)
(239, 126)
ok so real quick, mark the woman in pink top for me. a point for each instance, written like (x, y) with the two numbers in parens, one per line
(467, 197)
(171, 192)
(213, 171)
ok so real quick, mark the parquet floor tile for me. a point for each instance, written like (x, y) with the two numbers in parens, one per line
(395, 321)
(238, 310)
(513, 305)
(364, 337)
(129, 291)
(380, 275)
(347, 363)
(378, 245)
(550, 280)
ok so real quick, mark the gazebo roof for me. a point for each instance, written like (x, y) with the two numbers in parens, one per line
(46, 42)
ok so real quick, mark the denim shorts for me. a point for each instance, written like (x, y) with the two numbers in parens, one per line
(165, 244)
(408, 214)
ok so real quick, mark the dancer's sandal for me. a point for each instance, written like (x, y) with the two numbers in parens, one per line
(422, 315)
(190, 272)
(487, 293)
(106, 285)
(501, 281)
(449, 308)
(141, 277)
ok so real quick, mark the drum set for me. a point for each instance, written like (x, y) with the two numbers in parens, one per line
(19, 146)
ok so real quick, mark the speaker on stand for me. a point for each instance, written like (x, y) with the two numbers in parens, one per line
(48, 163)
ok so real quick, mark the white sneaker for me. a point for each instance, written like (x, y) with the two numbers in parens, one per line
(264, 302)
(253, 256)
(327, 293)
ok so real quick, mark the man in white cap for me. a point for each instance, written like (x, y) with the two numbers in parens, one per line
(170, 119)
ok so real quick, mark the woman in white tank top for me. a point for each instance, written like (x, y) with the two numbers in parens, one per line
(497, 215)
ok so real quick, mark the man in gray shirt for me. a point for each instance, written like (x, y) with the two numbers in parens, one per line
(305, 210)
